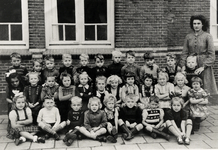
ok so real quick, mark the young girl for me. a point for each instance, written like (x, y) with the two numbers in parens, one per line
(100, 89)
(37, 67)
(179, 120)
(21, 120)
(112, 117)
(49, 118)
(65, 93)
(164, 89)
(146, 91)
(32, 93)
(113, 87)
(84, 90)
(172, 68)
(198, 103)
(14, 86)
(181, 89)
(130, 87)
(95, 120)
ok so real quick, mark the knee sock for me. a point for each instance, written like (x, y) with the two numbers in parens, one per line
(49, 130)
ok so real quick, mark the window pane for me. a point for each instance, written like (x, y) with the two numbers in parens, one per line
(57, 32)
(95, 11)
(89, 33)
(70, 32)
(101, 32)
(66, 11)
(10, 11)
(4, 33)
(16, 32)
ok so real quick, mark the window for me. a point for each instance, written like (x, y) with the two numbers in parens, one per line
(13, 24)
(214, 20)
(79, 23)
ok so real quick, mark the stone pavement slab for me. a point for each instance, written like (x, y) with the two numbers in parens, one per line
(47, 144)
(204, 130)
(150, 146)
(199, 137)
(137, 139)
(212, 143)
(2, 146)
(214, 116)
(12, 146)
(171, 145)
(214, 122)
(5, 121)
(212, 136)
(83, 148)
(3, 126)
(119, 142)
(104, 148)
(157, 140)
(5, 139)
(206, 123)
(61, 144)
(127, 147)
(88, 143)
(198, 145)
(3, 132)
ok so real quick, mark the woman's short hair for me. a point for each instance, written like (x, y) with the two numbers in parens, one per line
(203, 20)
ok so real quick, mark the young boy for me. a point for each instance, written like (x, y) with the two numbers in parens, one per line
(115, 67)
(67, 66)
(20, 69)
(130, 117)
(84, 60)
(149, 67)
(172, 68)
(131, 67)
(75, 120)
(153, 118)
(100, 91)
(49, 118)
(49, 69)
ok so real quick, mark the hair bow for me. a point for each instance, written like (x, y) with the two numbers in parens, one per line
(10, 72)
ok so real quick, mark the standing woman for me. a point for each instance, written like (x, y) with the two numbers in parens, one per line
(201, 42)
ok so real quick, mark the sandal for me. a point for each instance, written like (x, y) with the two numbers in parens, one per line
(179, 140)
(187, 141)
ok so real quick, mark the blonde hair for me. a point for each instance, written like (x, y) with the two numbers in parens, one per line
(33, 74)
(64, 56)
(177, 99)
(180, 75)
(94, 99)
(131, 97)
(114, 78)
(76, 99)
(84, 74)
(108, 98)
(101, 78)
(116, 53)
(161, 73)
(85, 56)
(16, 97)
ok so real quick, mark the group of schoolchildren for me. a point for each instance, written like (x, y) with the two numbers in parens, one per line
(100, 101)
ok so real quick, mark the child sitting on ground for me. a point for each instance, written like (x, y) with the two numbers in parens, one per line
(75, 120)
(95, 121)
(21, 121)
(130, 117)
(153, 118)
(49, 118)
(112, 117)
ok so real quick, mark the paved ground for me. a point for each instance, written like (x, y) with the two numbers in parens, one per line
(205, 138)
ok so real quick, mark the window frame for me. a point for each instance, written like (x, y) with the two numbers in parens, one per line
(51, 16)
(24, 44)
(214, 21)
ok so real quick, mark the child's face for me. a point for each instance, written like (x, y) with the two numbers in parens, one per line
(99, 63)
(176, 106)
(149, 62)
(100, 85)
(66, 81)
(76, 106)
(130, 103)
(15, 61)
(83, 80)
(84, 61)
(171, 62)
(148, 82)
(20, 103)
(48, 104)
(67, 62)
(130, 80)
(114, 84)
(196, 86)
(116, 59)
(94, 106)
(191, 62)
(162, 80)
(180, 81)
(33, 79)
(130, 59)
(50, 81)
(153, 105)
(49, 64)
(110, 104)
(37, 66)
(15, 82)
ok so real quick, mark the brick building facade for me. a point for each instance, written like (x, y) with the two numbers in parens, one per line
(139, 25)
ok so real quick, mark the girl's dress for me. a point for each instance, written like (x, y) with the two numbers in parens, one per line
(198, 110)
(146, 93)
(172, 72)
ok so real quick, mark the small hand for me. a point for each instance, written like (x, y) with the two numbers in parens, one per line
(81, 94)
(199, 70)
(68, 122)
(127, 124)
(31, 105)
